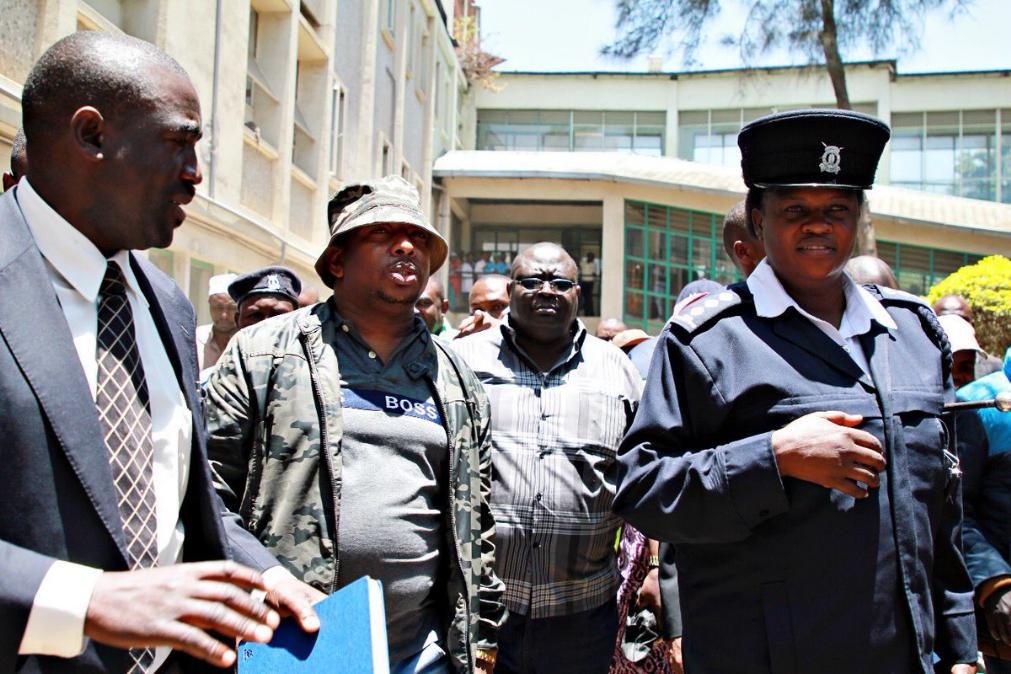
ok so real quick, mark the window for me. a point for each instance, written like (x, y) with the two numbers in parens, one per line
(422, 55)
(710, 136)
(1004, 166)
(572, 131)
(412, 41)
(389, 22)
(918, 268)
(200, 276)
(262, 105)
(303, 139)
(385, 162)
(338, 124)
(953, 152)
(665, 249)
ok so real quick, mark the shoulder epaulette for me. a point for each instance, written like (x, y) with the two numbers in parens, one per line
(701, 309)
(928, 319)
(891, 296)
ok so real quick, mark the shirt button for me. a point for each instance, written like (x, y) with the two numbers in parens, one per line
(345, 327)
(538, 497)
(536, 545)
(372, 354)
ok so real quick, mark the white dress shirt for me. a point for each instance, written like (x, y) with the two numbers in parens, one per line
(76, 268)
(771, 300)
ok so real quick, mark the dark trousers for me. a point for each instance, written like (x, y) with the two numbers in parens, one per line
(580, 643)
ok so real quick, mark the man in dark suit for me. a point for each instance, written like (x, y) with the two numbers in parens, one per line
(106, 487)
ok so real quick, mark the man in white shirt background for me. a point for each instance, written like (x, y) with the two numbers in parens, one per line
(106, 487)
(213, 337)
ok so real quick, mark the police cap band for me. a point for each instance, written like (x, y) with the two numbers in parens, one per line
(275, 280)
(822, 147)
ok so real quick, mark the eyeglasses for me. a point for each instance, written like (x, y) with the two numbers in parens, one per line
(559, 285)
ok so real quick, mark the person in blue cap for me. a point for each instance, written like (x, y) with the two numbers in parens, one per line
(263, 294)
(790, 441)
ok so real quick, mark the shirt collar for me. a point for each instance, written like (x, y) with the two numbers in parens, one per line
(772, 300)
(413, 349)
(71, 254)
(575, 347)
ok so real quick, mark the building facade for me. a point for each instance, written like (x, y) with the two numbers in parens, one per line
(639, 169)
(298, 98)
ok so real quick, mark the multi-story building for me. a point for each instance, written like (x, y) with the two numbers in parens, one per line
(298, 98)
(639, 169)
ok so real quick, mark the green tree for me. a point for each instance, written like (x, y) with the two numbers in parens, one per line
(986, 286)
(820, 30)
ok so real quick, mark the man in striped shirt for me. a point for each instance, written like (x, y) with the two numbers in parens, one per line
(561, 400)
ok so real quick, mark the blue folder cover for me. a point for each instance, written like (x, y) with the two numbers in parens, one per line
(351, 638)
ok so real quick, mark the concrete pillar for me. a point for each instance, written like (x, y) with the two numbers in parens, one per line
(612, 254)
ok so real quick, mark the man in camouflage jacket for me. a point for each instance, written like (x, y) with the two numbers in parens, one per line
(282, 414)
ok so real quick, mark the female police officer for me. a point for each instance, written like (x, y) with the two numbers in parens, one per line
(789, 442)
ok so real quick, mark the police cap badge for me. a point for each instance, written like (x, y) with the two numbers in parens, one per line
(279, 281)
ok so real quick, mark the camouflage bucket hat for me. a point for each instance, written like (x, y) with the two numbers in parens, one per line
(390, 199)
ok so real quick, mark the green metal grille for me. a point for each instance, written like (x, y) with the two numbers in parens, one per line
(666, 248)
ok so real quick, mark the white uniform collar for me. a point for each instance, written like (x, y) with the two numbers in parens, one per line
(771, 300)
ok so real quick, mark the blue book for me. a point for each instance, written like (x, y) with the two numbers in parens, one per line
(351, 638)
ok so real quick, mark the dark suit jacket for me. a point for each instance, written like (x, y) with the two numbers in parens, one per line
(57, 496)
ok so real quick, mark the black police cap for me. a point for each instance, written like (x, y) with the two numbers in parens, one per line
(267, 281)
(833, 148)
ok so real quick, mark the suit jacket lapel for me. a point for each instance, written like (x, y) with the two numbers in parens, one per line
(798, 330)
(178, 340)
(173, 316)
(35, 330)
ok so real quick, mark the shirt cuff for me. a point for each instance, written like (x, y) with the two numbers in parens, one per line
(989, 586)
(56, 621)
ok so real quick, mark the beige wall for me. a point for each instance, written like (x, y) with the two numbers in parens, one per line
(612, 196)
(258, 204)
(874, 84)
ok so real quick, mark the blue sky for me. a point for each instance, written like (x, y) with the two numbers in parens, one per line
(565, 35)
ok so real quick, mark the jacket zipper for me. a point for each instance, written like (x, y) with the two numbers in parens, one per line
(452, 509)
(324, 448)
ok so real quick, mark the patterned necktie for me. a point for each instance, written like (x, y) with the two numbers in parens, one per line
(125, 414)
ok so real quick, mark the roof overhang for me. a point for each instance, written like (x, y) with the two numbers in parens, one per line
(896, 203)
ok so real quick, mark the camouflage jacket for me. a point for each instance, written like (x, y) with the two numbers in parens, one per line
(274, 421)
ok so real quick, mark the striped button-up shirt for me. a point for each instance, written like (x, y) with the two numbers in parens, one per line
(554, 438)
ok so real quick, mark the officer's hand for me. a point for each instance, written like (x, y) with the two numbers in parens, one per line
(997, 611)
(476, 322)
(827, 449)
(963, 669)
(177, 606)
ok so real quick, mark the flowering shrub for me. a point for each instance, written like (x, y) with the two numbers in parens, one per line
(986, 286)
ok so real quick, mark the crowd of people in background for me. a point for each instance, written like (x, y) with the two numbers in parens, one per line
(466, 269)
(771, 484)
